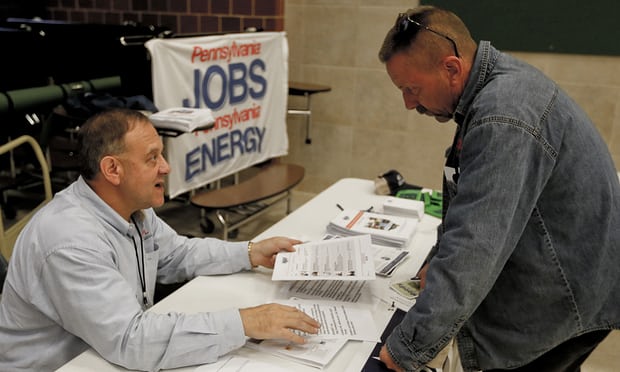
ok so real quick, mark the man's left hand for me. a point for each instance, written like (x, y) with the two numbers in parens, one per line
(387, 360)
(264, 252)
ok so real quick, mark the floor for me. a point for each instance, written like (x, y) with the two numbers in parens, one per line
(606, 357)
(186, 219)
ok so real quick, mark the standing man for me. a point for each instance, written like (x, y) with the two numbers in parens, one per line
(525, 274)
(83, 270)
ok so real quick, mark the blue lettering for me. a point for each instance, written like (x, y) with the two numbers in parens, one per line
(238, 88)
(191, 160)
(223, 147)
(219, 86)
(208, 154)
(254, 139)
(236, 141)
(212, 73)
(259, 79)
(186, 102)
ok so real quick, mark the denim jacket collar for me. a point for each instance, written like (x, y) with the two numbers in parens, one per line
(485, 59)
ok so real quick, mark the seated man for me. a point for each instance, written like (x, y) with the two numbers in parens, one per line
(83, 271)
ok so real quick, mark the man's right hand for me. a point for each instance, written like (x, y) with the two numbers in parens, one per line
(422, 275)
(271, 321)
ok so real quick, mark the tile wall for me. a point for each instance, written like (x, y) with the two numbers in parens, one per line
(361, 128)
(180, 16)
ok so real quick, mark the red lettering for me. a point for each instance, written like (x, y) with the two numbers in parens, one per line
(196, 53)
(225, 53)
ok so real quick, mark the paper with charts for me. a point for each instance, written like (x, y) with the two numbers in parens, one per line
(350, 258)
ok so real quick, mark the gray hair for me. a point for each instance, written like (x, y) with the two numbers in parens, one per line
(439, 20)
(103, 134)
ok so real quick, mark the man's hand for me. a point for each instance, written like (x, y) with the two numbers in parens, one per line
(422, 275)
(277, 321)
(387, 360)
(264, 252)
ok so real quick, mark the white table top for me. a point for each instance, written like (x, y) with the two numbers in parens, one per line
(308, 222)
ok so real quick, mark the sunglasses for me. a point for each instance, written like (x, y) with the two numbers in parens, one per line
(404, 21)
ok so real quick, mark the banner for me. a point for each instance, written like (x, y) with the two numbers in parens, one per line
(243, 79)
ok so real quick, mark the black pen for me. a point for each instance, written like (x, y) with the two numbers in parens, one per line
(339, 207)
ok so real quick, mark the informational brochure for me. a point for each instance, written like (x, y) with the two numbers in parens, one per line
(338, 319)
(403, 294)
(316, 352)
(335, 290)
(393, 231)
(348, 258)
(409, 289)
(403, 207)
(183, 119)
(386, 258)
(235, 363)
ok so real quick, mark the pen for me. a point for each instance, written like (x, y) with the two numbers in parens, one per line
(339, 206)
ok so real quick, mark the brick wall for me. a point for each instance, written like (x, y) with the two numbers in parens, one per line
(180, 16)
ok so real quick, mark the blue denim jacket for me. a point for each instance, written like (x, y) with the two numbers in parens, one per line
(529, 251)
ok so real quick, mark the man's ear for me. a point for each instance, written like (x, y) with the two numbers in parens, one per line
(111, 169)
(454, 68)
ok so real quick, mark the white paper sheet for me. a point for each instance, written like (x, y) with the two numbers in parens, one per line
(348, 258)
(339, 320)
(336, 290)
(239, 364)
(316, 352)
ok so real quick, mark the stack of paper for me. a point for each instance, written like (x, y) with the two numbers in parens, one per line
(339, 323)
(316, 352)
(403, 207)
(183, 119)
(384, 229)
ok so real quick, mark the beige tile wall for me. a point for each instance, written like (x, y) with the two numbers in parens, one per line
(361, 128)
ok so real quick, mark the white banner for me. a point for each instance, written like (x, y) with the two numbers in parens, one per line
(243, 79)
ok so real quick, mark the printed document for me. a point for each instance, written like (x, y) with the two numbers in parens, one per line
(386, 258)
(339, 320)
(183, 119)
(316, 352)
(336, 290)
(236, 363)
(385, 229)
(350, 258)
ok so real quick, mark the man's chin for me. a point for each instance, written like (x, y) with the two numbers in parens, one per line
(159, 199)
(443, 119)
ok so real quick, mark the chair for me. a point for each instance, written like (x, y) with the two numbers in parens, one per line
(9, 235)
(306, 90)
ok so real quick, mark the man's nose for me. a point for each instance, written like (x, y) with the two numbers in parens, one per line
(164, 166)
(410, 102)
